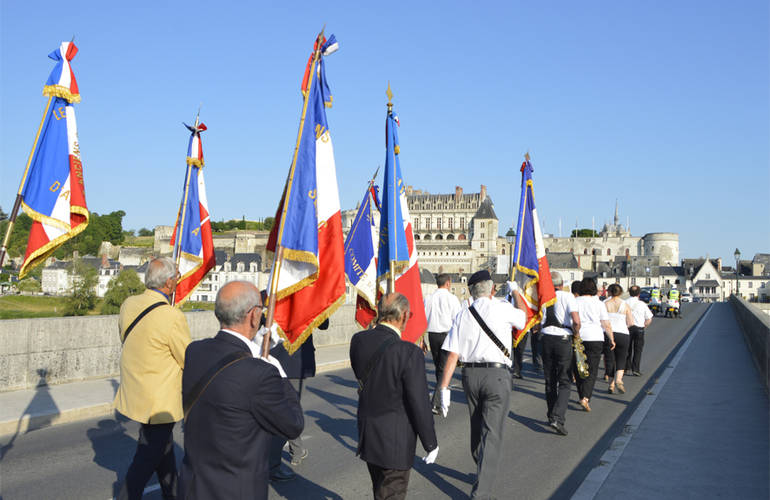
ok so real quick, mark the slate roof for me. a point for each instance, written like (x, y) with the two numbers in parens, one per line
(427, 278)
(561, 260)
(246, 258)
(486, 210)
(706, 283)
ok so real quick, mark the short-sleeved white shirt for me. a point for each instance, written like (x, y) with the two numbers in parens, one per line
(472, 344)
(440, 310)
(639, 311)
(592, 312)
(565, 305)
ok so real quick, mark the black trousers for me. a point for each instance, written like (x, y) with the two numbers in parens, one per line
(557, 361)
(436, 340)
(609, 358)
(593, 350)
(635, 347)
(536, 345)
(154, 453)
(621, 349)
(388, 484)
(518, 355)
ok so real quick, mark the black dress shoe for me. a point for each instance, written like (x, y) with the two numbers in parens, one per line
(637, 374)
(282, 473)
(559, 427)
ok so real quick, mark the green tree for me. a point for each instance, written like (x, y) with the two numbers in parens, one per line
(17, 245)
(124, 285)
(583, 233)
(146, 232)
(28, 285)
(268, 224)
(84, 281)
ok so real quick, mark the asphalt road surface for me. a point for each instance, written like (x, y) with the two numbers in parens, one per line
(88, 459)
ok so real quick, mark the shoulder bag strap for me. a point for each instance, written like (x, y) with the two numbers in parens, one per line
(210, 375)
(486, 329)
(373, 361)
(138, 318)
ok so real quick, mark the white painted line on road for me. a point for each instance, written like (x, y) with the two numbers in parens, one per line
(148, 489)
(593, 482)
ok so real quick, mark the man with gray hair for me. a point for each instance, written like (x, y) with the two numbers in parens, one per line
(154, 335)
(481, 337)
(561, 325)
(393, 403)
(235, 403)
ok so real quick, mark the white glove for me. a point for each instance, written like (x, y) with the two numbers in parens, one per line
(446, 399)
(275, 338)
(276, 363)
(431, 457)
(512, 286)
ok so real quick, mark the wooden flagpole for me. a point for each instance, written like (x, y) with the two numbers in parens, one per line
(278, 258)
(19, 197)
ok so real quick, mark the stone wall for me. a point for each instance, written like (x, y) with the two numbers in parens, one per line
(756, 330)
(61, 350)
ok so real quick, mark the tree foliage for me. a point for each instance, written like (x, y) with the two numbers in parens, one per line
(124, 285)
(583, 233)
(83, 297)
(28, 285)
(146, 232)
(242, 224)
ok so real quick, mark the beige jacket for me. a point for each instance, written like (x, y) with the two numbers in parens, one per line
(152, 361)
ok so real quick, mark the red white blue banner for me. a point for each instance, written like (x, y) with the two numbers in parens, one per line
(196, 245)
(360, 256)
(396, 253)
(530, 265)
(311, 276)
(53, 194)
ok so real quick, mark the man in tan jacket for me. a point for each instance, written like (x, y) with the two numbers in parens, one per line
(154, 336)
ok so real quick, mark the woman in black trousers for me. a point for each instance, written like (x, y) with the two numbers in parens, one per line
(594, 325)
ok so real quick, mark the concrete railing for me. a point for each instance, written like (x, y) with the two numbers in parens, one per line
(756, 330)
(61, 350)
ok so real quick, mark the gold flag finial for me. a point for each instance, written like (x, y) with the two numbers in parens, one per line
(526, 156)
(389, 93)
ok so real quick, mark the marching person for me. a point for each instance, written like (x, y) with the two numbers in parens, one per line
(594, 325)
(620, 320)
(642, 319)
(236, 402)
(393, 403)
(560, 325)
(154, 336)
(518, 351)
(481, 337)
(440, 309)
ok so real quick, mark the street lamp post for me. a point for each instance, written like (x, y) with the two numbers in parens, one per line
(737, 255)
(510, 236)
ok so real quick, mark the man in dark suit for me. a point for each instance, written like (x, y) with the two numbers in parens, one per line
(229, 424)
(393, 403)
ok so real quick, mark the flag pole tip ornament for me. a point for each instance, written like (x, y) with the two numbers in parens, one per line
(52, 190)
(307, 283)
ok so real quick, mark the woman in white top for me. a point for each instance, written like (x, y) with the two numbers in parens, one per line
(594, 325)
(620, 319)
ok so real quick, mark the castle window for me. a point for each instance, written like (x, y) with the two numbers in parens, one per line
(438, 223)
(481, 245)
(482, 224)
(416, 224)
(462, 223)
(427, 224)
(608, 251)
(482, 235)
(585, 251)
(451, 223)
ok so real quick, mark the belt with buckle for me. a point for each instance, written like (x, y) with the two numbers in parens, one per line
(485, 365)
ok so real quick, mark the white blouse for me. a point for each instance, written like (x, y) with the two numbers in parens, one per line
(592, 313)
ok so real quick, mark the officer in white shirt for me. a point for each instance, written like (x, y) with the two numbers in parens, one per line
(642, 319)
(483, 344)
(560, 324)
(440, 310)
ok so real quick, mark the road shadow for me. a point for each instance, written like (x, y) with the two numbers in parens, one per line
(342, 381)
(531, 423)
(338, 428)
(436, 474)
(41, 411)
(301, 487)
(339, 402)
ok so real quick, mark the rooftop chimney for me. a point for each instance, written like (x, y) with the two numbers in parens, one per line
(105, 262)
(483, 195)
(458, 194)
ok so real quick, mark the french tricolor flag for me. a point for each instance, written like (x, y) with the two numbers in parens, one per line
(308, 225)
(53, 192)
(530, 265)
(195, 250)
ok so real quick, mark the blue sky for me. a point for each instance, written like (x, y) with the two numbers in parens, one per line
(662, 105)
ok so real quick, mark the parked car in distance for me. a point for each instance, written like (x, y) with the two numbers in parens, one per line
(686, 297)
